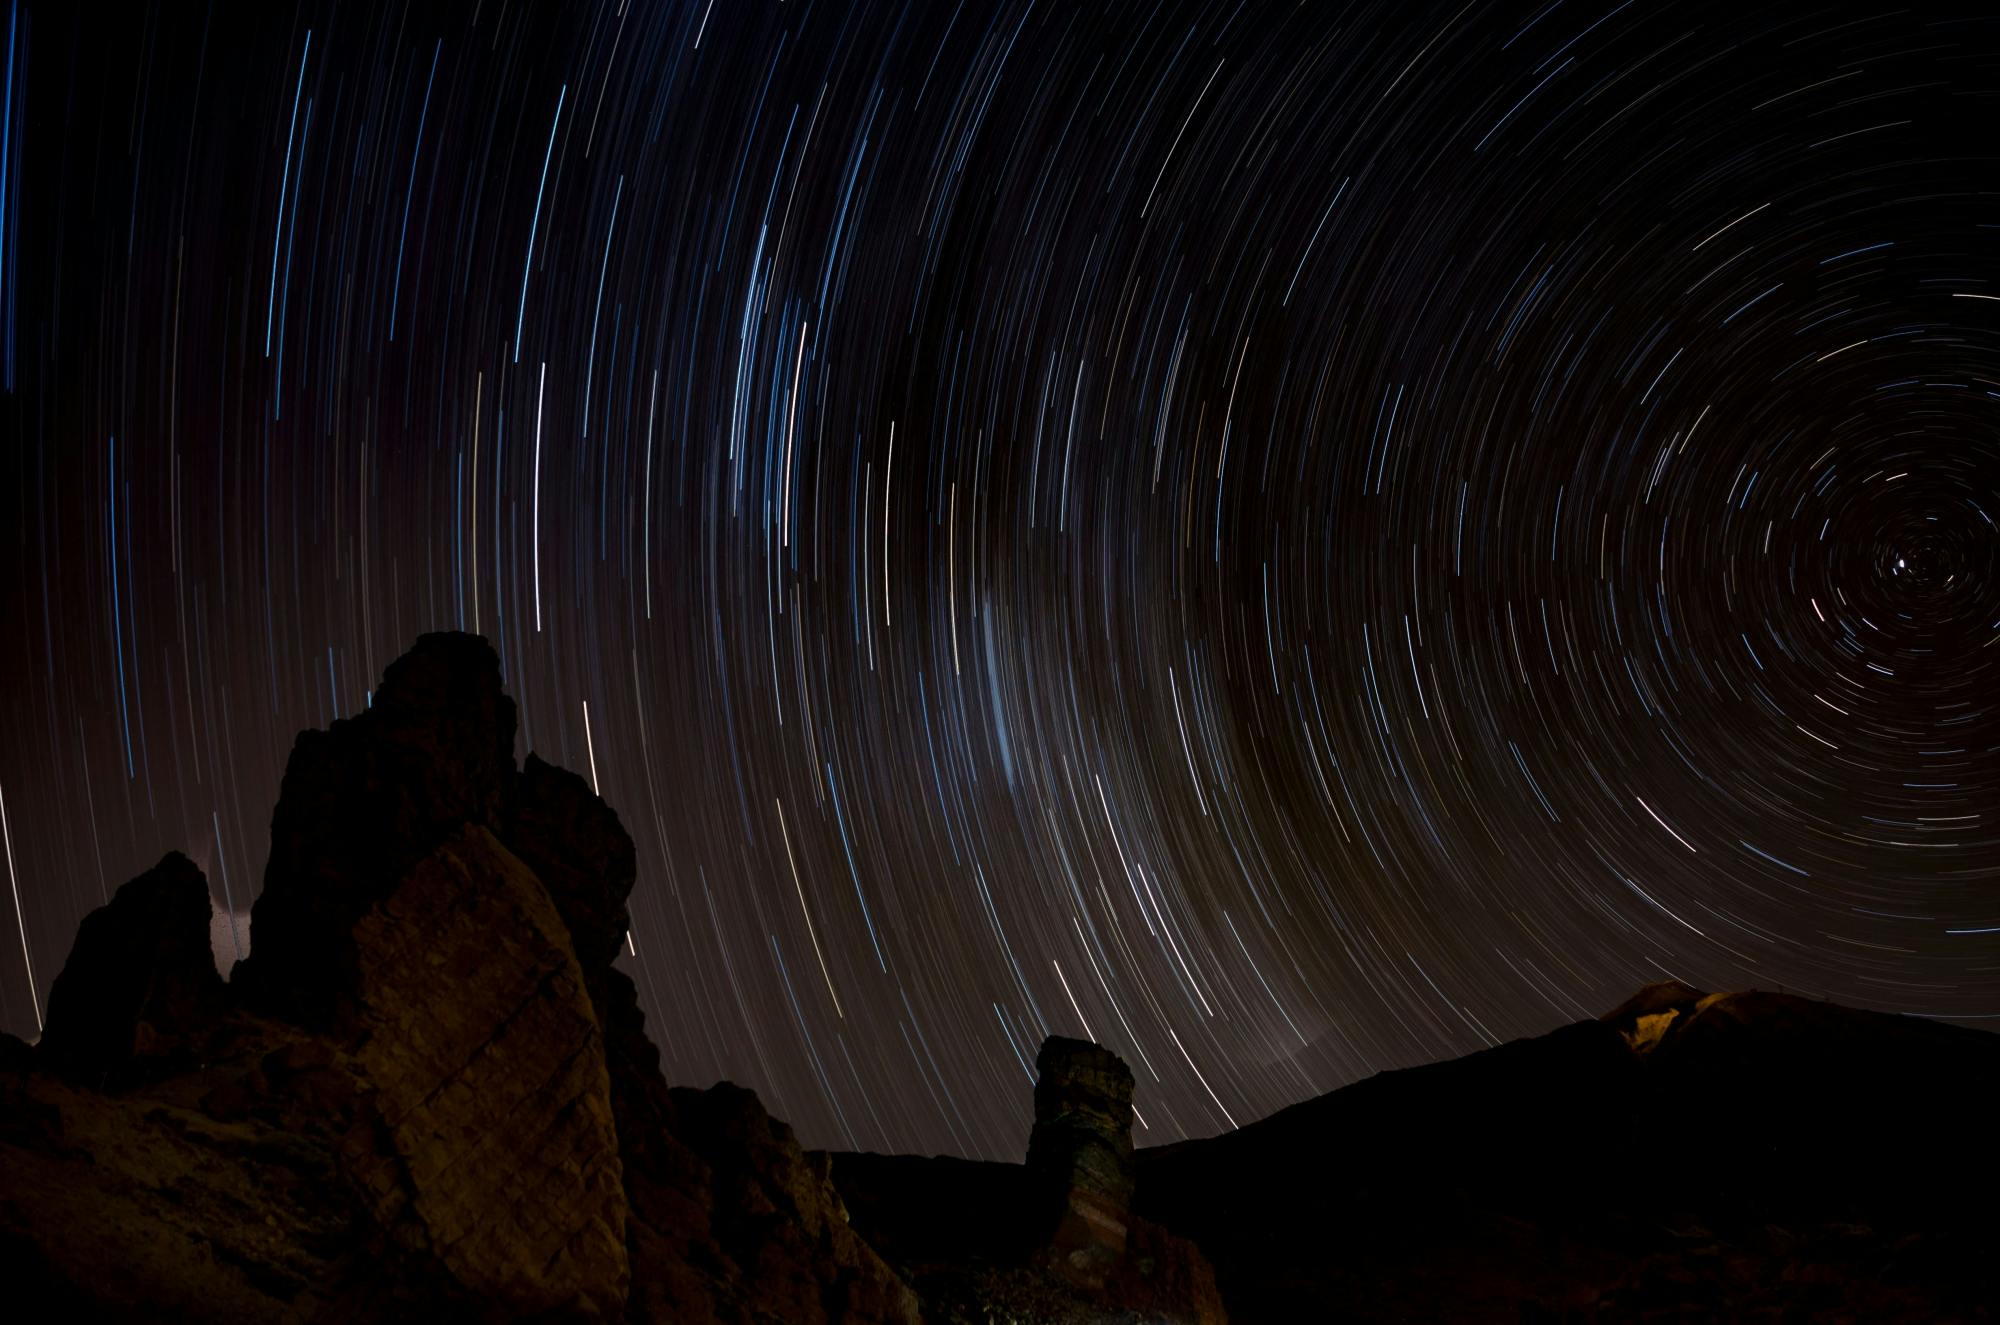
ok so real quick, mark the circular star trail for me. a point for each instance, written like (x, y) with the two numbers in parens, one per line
(1288, 540)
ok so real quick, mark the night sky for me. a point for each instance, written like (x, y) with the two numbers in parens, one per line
(1288, 540)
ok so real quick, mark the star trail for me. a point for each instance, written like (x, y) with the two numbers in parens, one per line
(1290, 540)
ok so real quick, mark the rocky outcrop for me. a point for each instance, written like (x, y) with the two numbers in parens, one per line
(491, 1084)
(581, 853)
(364, 801)
(222, 1195)
(730, 1221)
(1080, 1156)
(1051, 1241)
(427, 1092)
(140, 990)
(774, 1214)
(1645, 1018)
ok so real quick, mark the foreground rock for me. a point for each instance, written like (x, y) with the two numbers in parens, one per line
(491, 1088)
(426, 1092)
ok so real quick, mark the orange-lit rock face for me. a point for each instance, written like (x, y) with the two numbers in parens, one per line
(489, 1066)
(1649, 1028)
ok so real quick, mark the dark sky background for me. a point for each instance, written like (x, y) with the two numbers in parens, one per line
(1289, 540)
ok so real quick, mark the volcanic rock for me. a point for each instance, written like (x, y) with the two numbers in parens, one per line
(581, 853)
(140, 987)
(427, 1092)
(364, 801)
(1050, 1241)
(1080, 1155)
(730, 1221)
(490, 1079)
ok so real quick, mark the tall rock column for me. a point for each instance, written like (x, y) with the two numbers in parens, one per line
(1080, 1157)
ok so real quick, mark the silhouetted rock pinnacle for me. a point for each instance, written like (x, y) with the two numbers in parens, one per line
(140, 985)
(363, 801)
(583, 856)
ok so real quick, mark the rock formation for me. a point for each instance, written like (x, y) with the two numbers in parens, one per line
(1080, 1156)
(490, 1083)
(140, 986)
(426, 1092)
(363, 802)
(1051, 1241)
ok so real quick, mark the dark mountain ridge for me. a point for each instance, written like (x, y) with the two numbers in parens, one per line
(1688, 1156)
